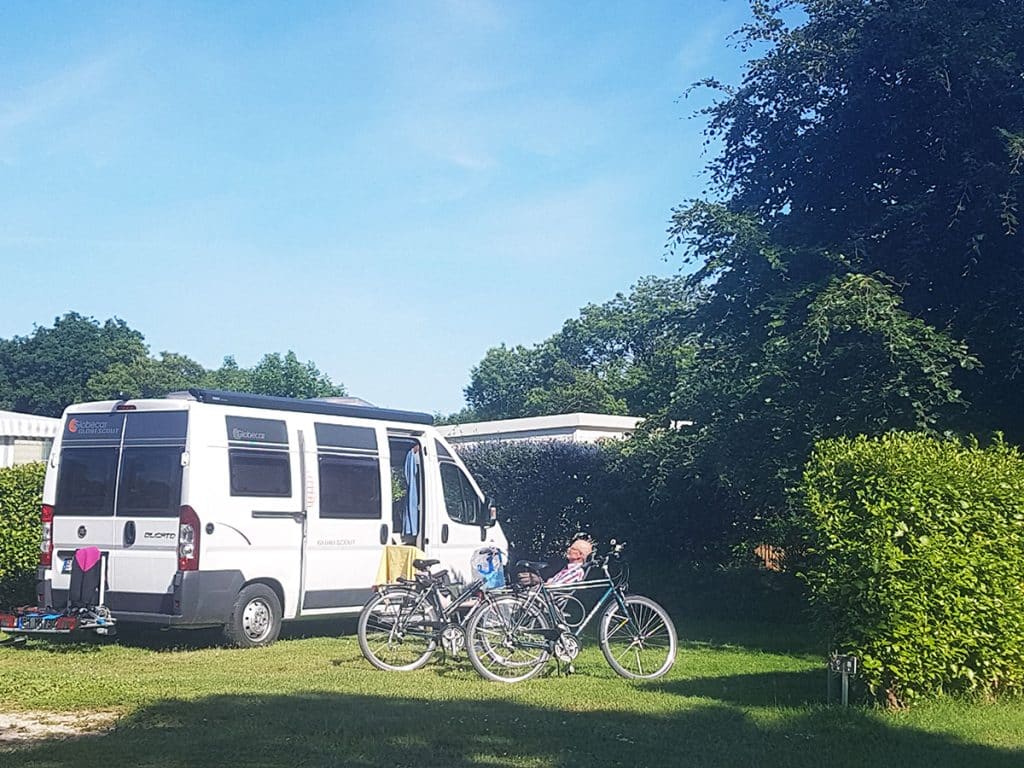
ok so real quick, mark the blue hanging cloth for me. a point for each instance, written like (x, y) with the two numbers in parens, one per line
(411, 518)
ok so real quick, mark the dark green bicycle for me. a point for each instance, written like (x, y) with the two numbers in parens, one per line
(514, 634)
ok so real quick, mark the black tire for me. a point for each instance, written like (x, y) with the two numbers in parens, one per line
(396, 630)
(255, 617)
(640, 642)
(505, 639)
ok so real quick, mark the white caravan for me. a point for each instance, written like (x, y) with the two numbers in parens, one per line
(220, 508)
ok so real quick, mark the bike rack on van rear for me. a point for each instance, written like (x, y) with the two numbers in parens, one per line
(33, 621)
(29, 620)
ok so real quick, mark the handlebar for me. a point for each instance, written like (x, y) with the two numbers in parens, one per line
(614, 552)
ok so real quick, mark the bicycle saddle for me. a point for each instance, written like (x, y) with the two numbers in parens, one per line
(422, 565)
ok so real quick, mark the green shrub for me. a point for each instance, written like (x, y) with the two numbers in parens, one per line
(21, 490)
(914, 560)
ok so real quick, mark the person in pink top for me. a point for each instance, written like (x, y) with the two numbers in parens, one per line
(574, 571)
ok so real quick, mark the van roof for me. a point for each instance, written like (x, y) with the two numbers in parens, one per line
(246, 400)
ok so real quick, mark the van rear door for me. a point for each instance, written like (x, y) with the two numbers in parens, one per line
(83, 510)
(144, 556)
(119, 489)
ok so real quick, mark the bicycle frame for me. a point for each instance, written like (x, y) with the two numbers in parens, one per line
(548, 595)
(431, 594)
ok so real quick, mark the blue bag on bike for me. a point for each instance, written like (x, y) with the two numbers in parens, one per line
(488, 563)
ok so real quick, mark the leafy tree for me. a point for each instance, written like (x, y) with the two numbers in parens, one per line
(287, 377)
(500, 384)
(146, 377)
(229, 376)
(79, 359)
(620, 357)
(47, 370)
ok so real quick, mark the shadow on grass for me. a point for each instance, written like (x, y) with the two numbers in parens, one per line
(764, 689)
(159, 639)
(767, 637)
(326, 730)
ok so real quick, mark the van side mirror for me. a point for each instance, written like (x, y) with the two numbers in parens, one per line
(490, 514)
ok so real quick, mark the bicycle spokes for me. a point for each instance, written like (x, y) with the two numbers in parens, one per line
(639, 639)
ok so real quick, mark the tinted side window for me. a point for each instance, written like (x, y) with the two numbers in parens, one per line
(150, 484)
(460, 500)
(260, 473)
(258, 456)
(86, 482)
(350, 487)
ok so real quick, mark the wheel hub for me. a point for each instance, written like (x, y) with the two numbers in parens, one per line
(256, 620)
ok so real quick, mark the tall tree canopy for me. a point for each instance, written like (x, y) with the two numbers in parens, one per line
(884, 136)
(80, 359)
(864, 254)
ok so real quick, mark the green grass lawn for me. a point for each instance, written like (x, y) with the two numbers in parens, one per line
(736, 697)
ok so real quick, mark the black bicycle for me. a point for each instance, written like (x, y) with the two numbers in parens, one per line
(402, 625)
(512, 636)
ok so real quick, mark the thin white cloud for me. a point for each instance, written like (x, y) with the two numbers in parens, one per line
(50, 97)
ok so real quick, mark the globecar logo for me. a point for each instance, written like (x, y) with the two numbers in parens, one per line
(73, 425)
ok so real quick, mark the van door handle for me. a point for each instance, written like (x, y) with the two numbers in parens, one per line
(264, 514)
(384, 534)
(444, 533)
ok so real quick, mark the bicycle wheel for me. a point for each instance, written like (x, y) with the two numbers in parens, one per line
(640, 641)
(396, 630)
(505, 639)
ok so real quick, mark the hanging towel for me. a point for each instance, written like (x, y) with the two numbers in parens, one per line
(396, 561)
(411, 519)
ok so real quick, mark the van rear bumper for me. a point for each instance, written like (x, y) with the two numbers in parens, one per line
(198, 599)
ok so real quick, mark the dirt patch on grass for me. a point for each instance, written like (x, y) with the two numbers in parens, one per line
(20, 728)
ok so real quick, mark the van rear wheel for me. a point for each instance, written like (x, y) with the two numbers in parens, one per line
(255, 617)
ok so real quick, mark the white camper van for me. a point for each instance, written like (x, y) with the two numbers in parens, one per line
(220, 508)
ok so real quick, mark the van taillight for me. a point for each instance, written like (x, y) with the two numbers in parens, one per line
(46, 547)
(188, 539)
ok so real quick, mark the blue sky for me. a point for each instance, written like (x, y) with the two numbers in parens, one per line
(386, 188)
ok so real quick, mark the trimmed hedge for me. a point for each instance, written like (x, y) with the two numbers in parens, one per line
(21, 490)
(914, 560)
(546, 490)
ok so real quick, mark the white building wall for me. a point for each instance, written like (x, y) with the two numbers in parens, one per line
(572, 427)
(25, 438)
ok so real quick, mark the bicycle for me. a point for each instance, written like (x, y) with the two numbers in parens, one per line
(512, 637)
(402, 625)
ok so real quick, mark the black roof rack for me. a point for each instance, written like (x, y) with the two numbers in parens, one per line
(246, 400)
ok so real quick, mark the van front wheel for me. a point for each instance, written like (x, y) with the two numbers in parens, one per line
(255, 618)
